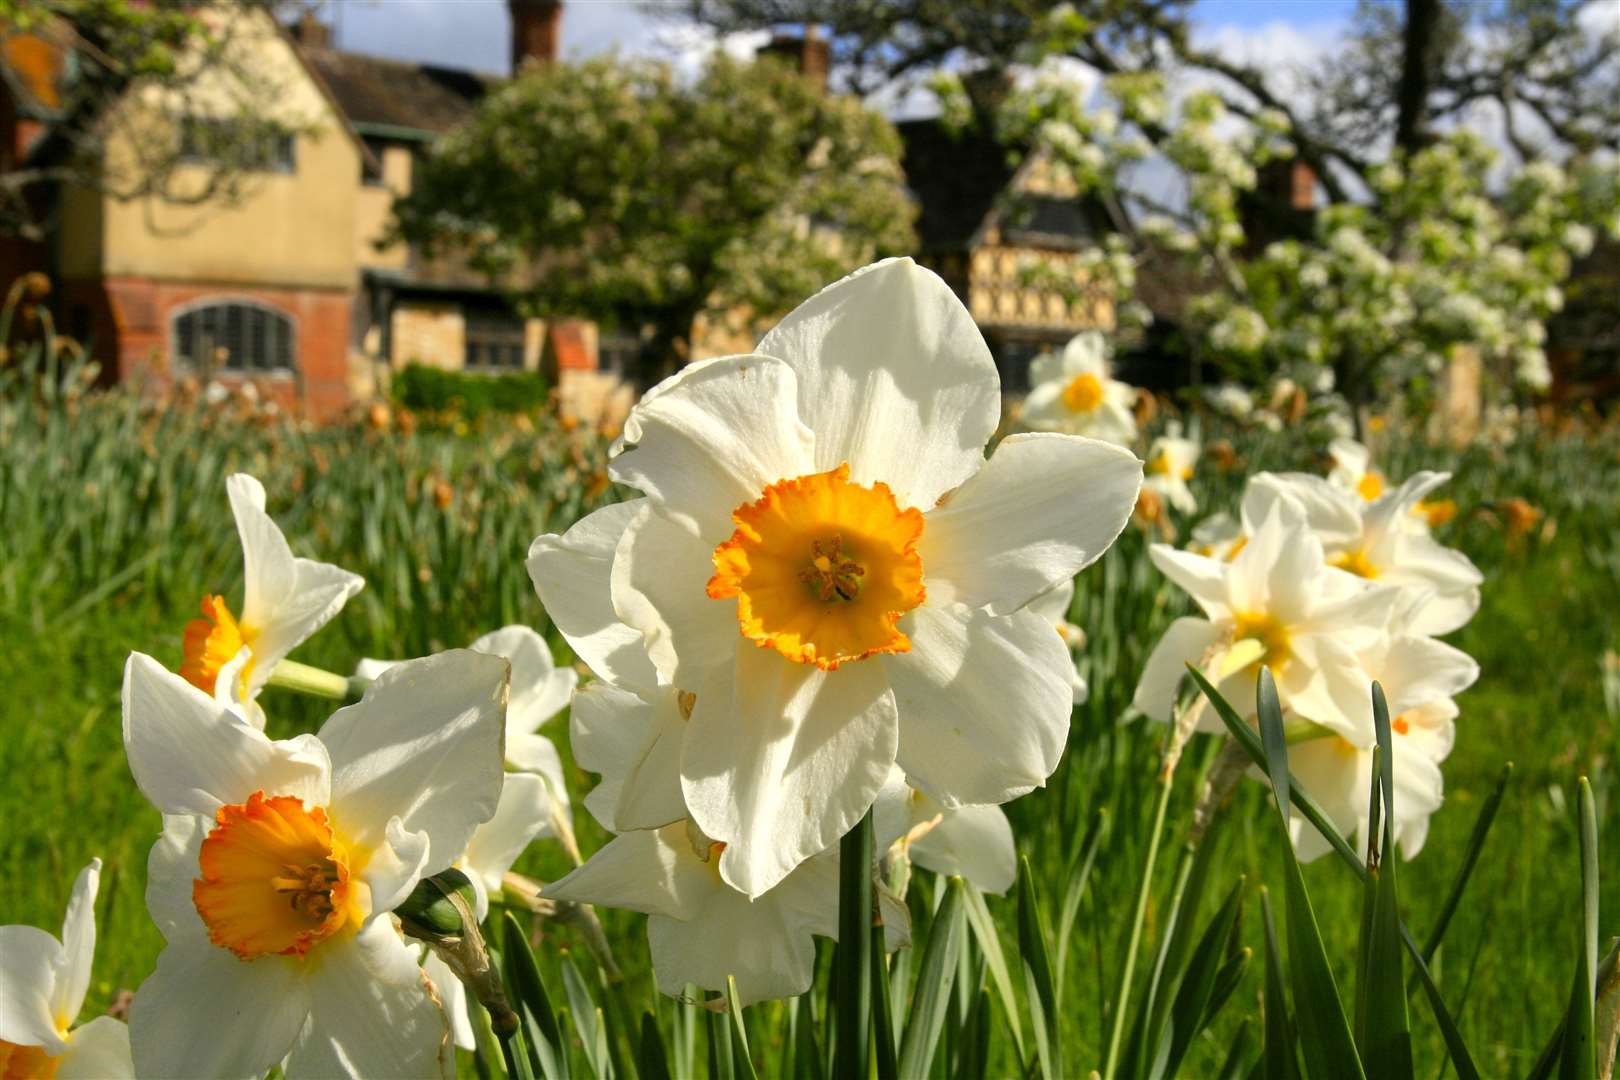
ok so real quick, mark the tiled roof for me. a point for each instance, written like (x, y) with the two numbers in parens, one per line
(396, 93)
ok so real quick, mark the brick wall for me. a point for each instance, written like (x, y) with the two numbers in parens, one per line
(130, 320)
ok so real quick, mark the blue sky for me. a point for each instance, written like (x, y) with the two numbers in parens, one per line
(475, 34)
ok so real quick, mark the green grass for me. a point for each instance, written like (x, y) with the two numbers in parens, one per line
(116, 525)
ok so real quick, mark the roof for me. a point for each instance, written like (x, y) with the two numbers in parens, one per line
(378, 93)
(956, 178)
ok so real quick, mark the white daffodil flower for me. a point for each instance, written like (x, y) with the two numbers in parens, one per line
(828, 563)
(1352, 470)
(1382, 540)
(1219, 536)
(701, 930)
(280, 861)
(1170, 464)
(1053, 606)
(286, 599)
(1277, 604)
(1075, 392)
(42, 987)
(540, 690)
(1420, 676)
(523, 815)
(974, 843)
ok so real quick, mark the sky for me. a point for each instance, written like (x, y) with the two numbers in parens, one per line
(475, 34)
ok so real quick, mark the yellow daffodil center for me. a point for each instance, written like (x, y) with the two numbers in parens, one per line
(1357, 563)
(1436, 513)
(274, 878)
(1163, 466)
(210, 643)
(1401, 725)
(1084, 393)
(1269, 639)
(1237, 546)
(822, 569)
(26, 1062)
(1371, 484)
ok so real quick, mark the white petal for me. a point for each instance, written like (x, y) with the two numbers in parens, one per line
(368, 668)
(171, 867)
(395, 866)
(250, 1011)
(1201, 577)
(714, 437)
(1418, 671)
(232, 693)
(189, 755)
(781, 759)
(287, 599)
(370, 1014)
(972, 842)
(1332, 513)
(894, 378)
(453, 996)
(30, 959)
(538, 755)
(1325, 682)
(423, 745)
(1042, 508)
(649, 870)
(1043, 407)
(1053, 605)
(635, 744)
(97, 1051)
(984, 703)
(78, 944)
(523, 814)
(766, 944)
(539, 689)
(661, 574)
(1186, 641)
(572, 575)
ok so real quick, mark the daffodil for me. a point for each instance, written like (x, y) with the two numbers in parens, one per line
(285, 600)
(540, 690)
(1353, 470)
(1053, 605)
(974, 843)
(280, 862)
(1420, 677)
(1170, 462)
(1277, 604)
(42, 987)
(701, 930)
(1381, 540)
(1075, 392)
(827, 563)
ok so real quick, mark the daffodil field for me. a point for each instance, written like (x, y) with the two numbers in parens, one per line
(833, 718)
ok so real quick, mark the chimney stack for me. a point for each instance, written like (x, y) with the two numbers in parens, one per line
(809, 54)
(310, 32)
(536, 31)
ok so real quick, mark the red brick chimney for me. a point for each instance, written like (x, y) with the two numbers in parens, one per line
(808, 53)
(536, 31)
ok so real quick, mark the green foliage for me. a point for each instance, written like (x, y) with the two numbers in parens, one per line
(621, 193)
(434, 390)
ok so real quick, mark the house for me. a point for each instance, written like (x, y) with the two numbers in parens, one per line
(290, 286)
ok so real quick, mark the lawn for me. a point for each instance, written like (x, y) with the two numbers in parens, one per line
(116, 526)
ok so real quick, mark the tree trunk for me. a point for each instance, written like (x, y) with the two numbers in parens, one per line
(1418, 59)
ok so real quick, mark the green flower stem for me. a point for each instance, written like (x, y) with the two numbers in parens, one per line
(853, 976)
(1122, 997)
(303, 679)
